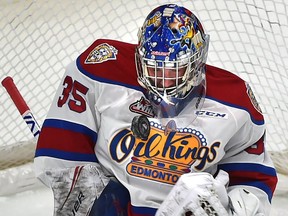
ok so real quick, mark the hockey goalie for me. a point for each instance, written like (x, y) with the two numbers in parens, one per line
(152, 129)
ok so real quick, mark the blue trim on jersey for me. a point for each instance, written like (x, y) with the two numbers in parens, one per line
(103, 80)
(73, 156)
(143, 210)
(56, 123)
(251, 167)
(261, 186)
(257, 122)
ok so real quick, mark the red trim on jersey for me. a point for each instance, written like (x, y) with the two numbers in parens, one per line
(122, 69)
(129, 209)
(140, 211)
(240, 177)
(229, 89)
(65, 140)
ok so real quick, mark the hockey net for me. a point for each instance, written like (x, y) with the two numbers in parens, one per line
(39, 38)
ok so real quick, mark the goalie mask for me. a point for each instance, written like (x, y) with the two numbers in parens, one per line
(170, 58)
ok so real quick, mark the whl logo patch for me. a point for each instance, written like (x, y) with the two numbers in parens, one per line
(143, 107)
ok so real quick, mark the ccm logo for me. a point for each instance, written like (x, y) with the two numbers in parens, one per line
(206, 113)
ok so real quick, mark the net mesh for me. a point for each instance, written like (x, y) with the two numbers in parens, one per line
(39, 38)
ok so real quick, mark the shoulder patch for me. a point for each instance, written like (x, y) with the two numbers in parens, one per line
(253, 98)
(101, 53)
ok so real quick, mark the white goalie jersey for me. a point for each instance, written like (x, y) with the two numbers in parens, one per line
(89, 122)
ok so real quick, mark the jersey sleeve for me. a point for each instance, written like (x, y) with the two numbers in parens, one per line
(253, 169)
(69, 133)
(246, 158)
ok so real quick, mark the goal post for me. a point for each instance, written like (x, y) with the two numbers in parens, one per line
(38, 38)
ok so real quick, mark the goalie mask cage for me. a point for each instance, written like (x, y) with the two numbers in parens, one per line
(39, 38)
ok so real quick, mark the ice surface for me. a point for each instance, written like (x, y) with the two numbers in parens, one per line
(39, 202)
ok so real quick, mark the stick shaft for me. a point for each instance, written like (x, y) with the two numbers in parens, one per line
(21, 105)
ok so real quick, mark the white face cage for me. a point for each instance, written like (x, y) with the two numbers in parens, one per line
(184, 73)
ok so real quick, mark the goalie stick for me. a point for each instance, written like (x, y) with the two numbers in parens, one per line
(21, 105)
